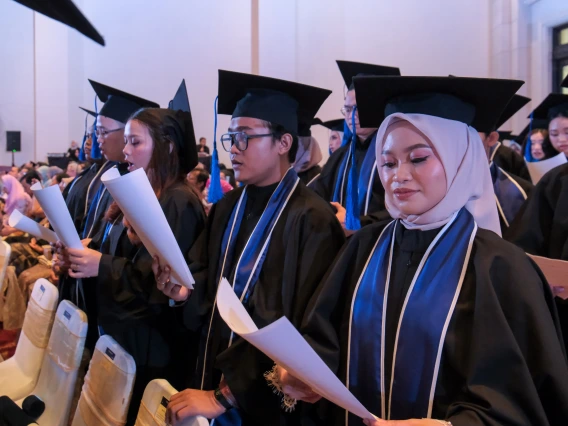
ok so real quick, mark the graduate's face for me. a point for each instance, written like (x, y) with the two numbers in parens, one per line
(261, 163)
(88, 147)
(536, 145)
(558, 133)
(411, 172)
(350, 102)
(138, 145)
(111, 144)
(335, 140)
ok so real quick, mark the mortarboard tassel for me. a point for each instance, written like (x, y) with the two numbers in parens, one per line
(215, 191)
(352, 222)
(95, 149)
(346, 134)
(82, 150)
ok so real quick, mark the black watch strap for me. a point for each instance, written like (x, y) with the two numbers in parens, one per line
(222, 400)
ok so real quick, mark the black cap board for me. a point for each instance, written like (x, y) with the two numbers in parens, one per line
(181, 100)
(514, 106)
(565, 82)
(335, 125)
(67, 13)
(506, 135)
(88, 111)
(350, 69)
(280, 102)
(551, 106)
(119, 105)
(477, 102)
(179, 126)
(305, 126)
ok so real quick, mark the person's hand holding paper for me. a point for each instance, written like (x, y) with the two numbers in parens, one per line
(281, 342)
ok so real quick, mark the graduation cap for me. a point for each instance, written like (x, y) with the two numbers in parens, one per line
(179, 126)
(334, 125)
(88, 111)
(119, 105)
(305, 126)
(477, 102)
(536, 124)
(565, 82)
(67, 13)
(281, 102)
(514, 106)
(350, 69)
(506, 135)
(552, 105)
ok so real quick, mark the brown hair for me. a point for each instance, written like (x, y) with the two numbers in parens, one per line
(164, 169)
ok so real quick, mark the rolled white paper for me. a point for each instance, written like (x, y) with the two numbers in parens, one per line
(51, 201)
(537, 169)
(282, 343)
(23, 223)
(137, 200)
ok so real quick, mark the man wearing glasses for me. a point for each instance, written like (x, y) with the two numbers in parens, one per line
(273, 239)
(351, 168)
(111, 120)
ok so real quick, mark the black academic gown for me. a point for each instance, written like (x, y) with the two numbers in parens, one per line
(75, 194)
(304, 241)
(502, 361)
(526, 185)
(324, 185)
(134, 312)
(511, 162)
(541, 227)
(96, 228)
(308, 175)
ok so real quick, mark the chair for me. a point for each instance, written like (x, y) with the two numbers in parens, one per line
(5, 252)
(19, 374)
(56, 383)
(107, 390)
(152, 410)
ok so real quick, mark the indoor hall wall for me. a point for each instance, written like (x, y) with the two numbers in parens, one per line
(151, 49)
(302, 39)
(16, 79)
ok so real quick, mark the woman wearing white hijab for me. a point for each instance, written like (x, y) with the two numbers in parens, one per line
(308, 158)
(433, 317)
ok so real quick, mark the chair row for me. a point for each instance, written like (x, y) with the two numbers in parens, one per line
(47, 361)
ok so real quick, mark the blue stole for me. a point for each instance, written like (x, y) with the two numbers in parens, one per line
(250, 262)
(509, 195)
(422, 327)
(364, 180)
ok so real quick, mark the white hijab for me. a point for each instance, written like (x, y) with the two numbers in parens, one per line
(308, 154)
(464, 159)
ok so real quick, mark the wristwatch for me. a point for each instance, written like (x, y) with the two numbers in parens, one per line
(222, 400)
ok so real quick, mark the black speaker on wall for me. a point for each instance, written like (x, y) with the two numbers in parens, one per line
(13, 141)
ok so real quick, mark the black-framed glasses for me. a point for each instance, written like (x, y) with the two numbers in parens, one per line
(240, 139)
(347, 110)
(102, 133)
